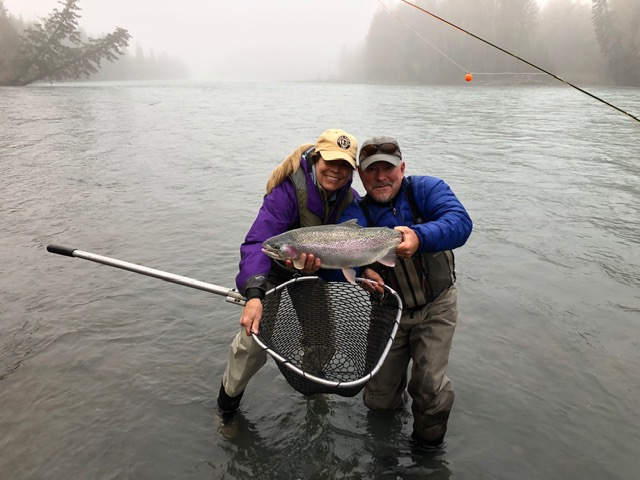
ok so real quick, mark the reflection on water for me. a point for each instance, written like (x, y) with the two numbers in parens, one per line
(108, 374)
(315, 447)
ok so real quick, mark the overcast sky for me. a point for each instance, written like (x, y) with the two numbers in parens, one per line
(231, 39)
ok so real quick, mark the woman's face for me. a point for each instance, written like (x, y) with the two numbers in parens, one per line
(333, 175)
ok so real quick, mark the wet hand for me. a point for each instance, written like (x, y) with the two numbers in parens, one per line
(410, 243)
(251, 316)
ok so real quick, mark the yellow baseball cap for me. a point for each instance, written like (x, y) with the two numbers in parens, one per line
(336, 144)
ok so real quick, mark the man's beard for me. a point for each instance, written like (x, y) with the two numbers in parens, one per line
(382, 198)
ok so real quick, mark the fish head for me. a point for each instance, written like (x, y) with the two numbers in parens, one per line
(280, 249)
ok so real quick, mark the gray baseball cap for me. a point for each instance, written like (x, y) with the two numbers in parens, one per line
(379, 149)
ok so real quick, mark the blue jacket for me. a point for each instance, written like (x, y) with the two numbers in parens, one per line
(446, 226)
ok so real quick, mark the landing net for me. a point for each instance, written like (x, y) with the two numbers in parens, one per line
(328, 337)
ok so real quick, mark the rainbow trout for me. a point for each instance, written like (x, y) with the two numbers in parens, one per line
(343, 246)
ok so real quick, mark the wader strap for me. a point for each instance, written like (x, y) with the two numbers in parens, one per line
(307, 218)
(340, 205)
(411, 198)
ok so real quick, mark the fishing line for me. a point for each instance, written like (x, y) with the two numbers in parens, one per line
(468, 71)
(595, 97)
(390, 12)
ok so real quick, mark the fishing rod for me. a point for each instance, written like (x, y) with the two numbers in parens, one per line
(595, 97)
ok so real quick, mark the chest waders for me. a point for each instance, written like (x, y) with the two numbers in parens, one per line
(422, 278)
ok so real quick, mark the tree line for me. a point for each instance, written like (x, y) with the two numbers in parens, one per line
(592, 43)
(56, 49)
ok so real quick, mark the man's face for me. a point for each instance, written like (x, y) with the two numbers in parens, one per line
(382, 180)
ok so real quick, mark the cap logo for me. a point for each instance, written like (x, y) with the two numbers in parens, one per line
(343, 142)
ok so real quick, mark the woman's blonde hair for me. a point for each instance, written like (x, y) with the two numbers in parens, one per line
(289, 165)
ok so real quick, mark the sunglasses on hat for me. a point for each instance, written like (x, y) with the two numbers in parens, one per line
(387, 148)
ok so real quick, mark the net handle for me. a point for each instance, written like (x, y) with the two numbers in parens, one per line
(231, 294)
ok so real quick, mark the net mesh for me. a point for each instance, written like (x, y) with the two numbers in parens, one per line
(328, 337)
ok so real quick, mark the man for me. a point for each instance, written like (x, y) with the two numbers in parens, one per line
(433, 222)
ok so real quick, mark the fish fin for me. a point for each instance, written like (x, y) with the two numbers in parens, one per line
(389, 259)
(349, 274)
(351, 223)
(298, 263)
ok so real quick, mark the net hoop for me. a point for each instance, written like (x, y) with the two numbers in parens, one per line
(344, 303)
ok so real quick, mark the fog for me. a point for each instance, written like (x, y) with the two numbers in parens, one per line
(231, 39)
(384, 41)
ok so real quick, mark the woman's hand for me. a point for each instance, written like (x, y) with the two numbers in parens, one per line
(251, 316)
(311, 263)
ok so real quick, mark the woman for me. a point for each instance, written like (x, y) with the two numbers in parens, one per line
(312, 186)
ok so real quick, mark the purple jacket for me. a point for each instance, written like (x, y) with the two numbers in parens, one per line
(279, 213)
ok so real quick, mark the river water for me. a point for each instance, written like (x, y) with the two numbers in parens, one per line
(107, 374)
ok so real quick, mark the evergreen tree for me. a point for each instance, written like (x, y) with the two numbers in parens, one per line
(516, 22)
(54, 49)
(9, 41)
(617, 25)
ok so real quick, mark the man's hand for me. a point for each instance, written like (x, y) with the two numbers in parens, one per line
(410, 243)
(370, 274)
(311, 263)
(251, 316)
